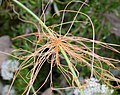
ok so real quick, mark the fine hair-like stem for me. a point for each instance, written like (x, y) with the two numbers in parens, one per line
(61, 49)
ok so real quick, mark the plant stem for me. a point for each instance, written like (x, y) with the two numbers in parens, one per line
(72, 69)
(33, 91)
(36, 17)
(61, 49)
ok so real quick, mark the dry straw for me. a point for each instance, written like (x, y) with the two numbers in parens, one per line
(58, 45)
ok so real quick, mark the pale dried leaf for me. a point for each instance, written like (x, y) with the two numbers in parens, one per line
(115, 21)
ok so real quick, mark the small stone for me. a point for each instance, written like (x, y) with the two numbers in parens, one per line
(47, 92)
(5, 90)
(5, 48)
(8, 67)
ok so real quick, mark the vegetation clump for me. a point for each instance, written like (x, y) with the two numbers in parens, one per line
(52, 47)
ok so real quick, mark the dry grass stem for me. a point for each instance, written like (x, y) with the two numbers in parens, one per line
(75, 48)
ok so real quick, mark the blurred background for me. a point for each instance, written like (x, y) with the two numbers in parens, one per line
(105, 15)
